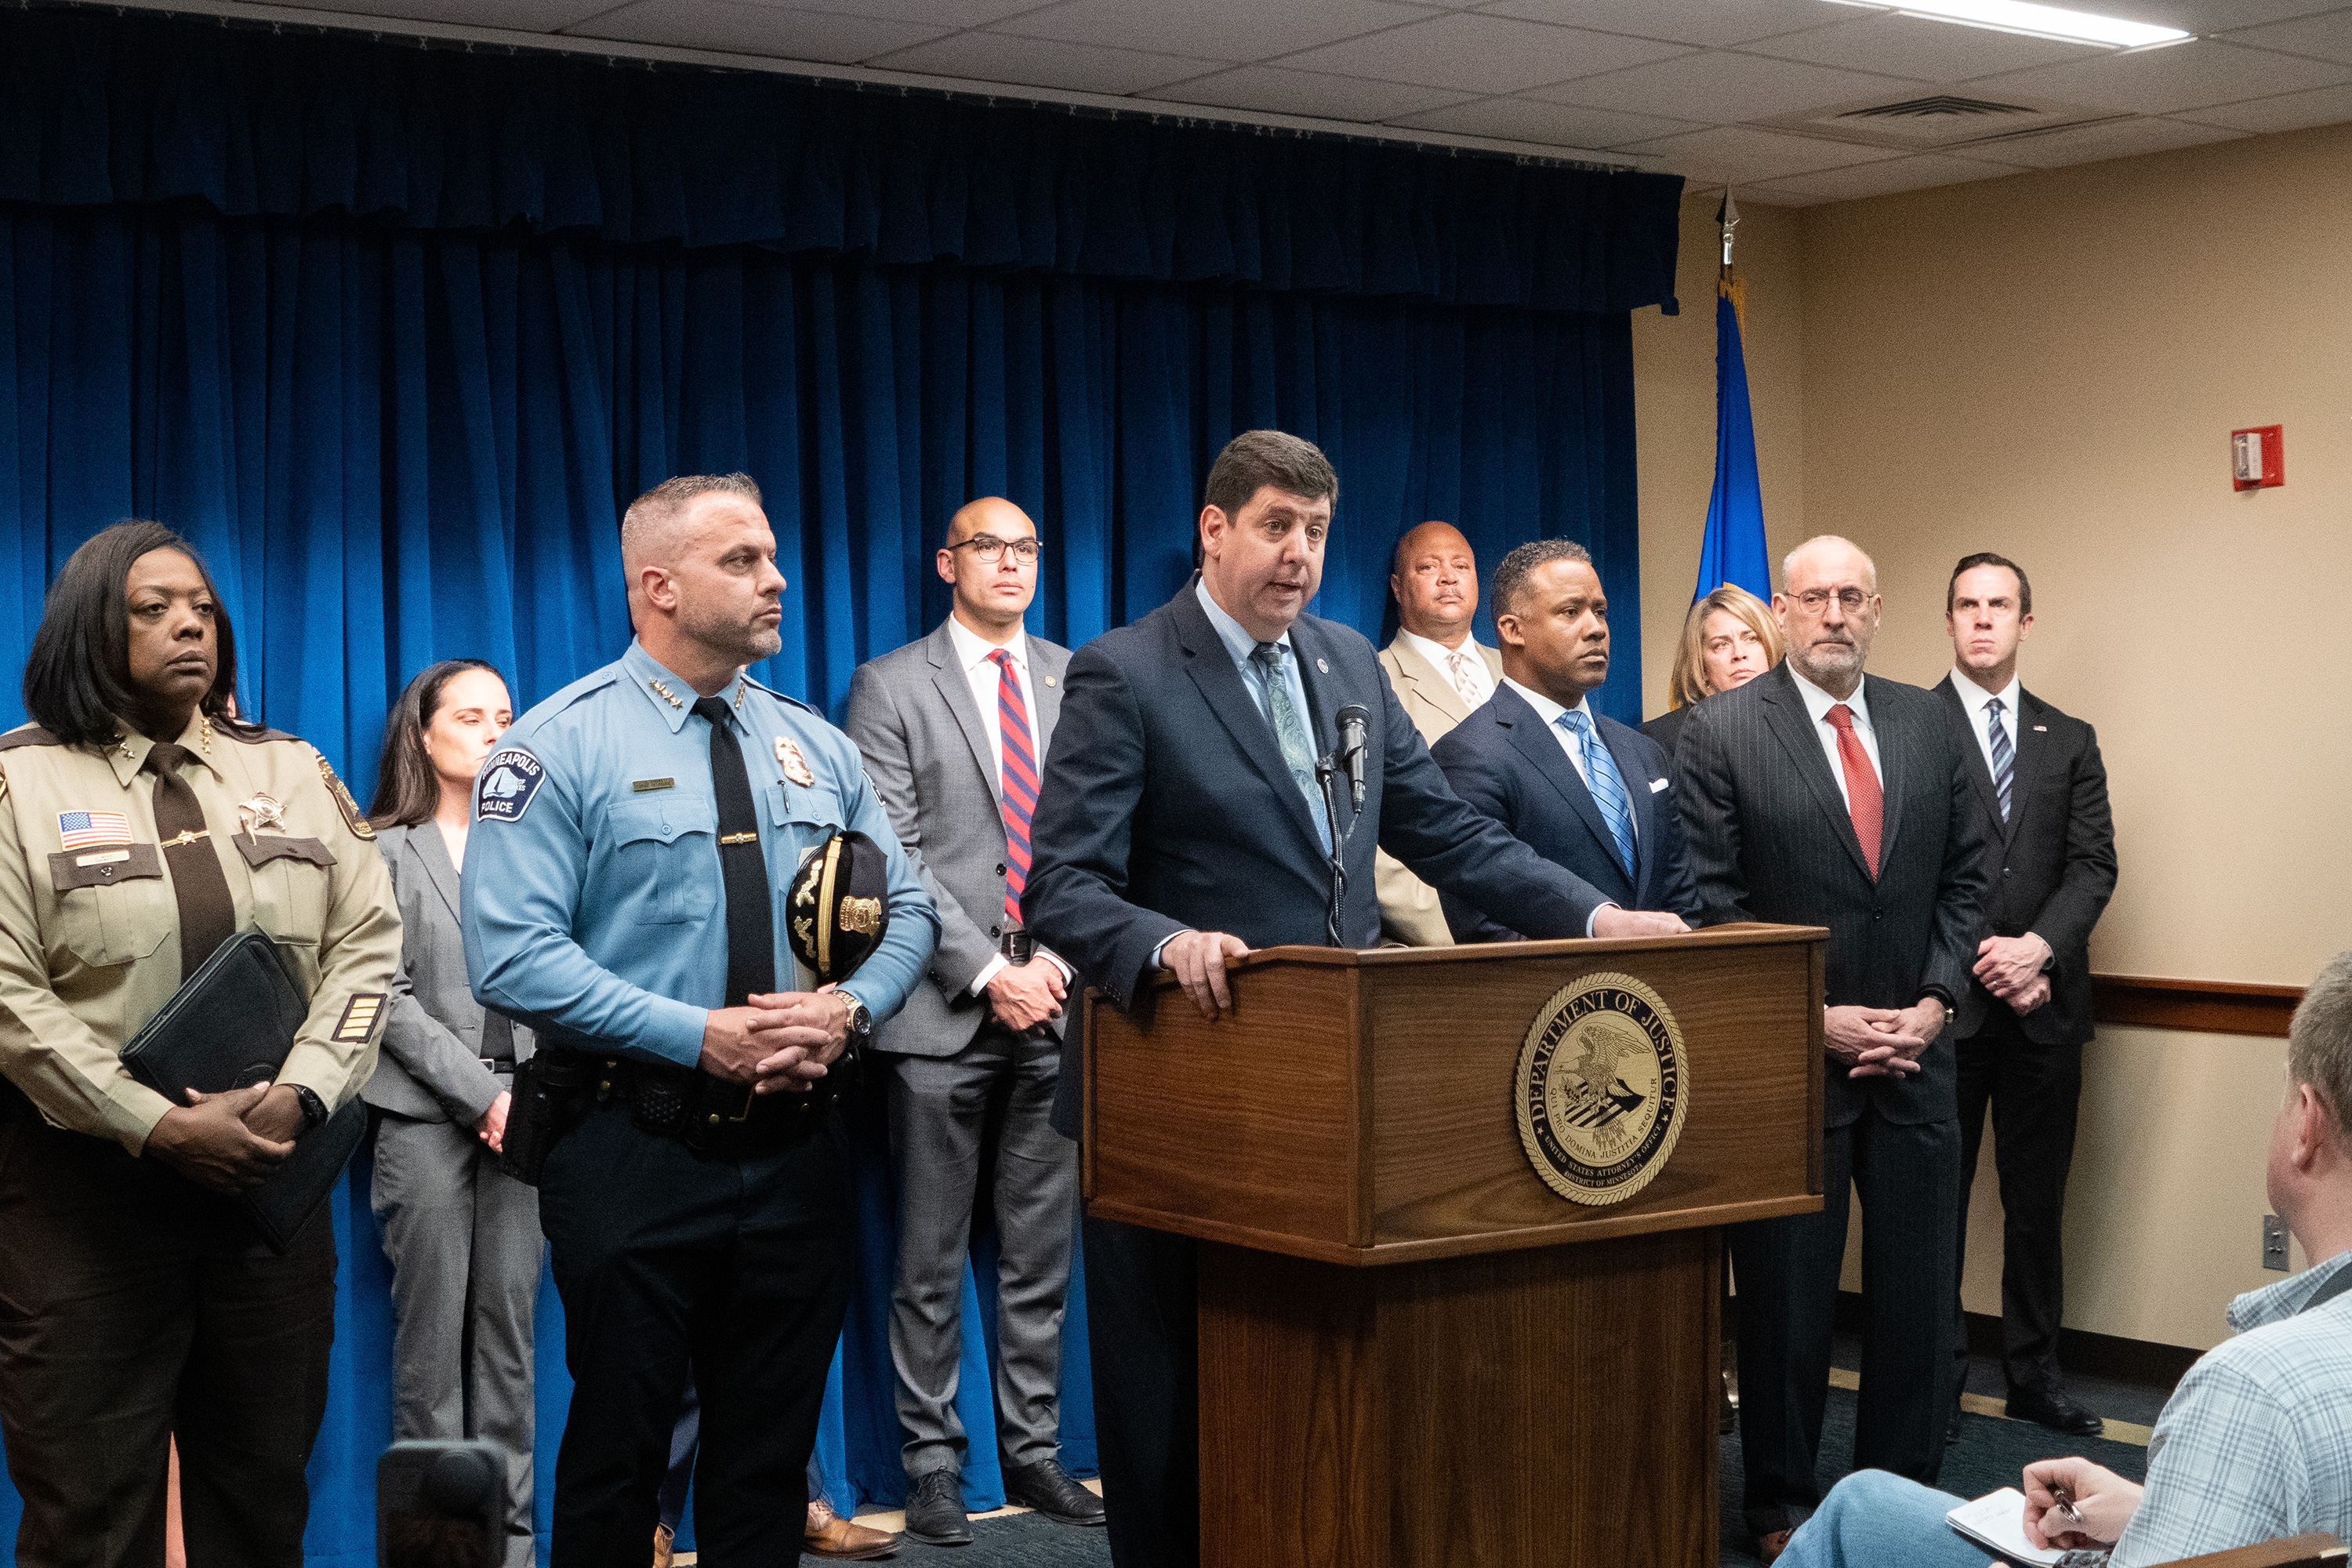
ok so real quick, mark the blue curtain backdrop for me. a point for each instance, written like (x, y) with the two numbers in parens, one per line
(393, 335)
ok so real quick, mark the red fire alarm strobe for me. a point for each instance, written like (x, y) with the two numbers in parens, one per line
(2258, 456)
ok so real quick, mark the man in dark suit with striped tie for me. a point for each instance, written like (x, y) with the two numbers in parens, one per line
(952, 728)
(2041, 794)
(1592, 796)
(1816, 796)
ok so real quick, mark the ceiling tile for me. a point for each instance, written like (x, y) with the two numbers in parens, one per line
(724, 24)
(1555, 124)
(1740, 153)
(1044, 62)
(523, 15)
(2162, 80)
(1917, 47)
(1275, 91)
(1713, 21)
(1480, 54)
(2115, 139)
(1917, 173)
(2288, 111)
(2329, 37)
(1719, 86)
(938, 13)
(1214, 29)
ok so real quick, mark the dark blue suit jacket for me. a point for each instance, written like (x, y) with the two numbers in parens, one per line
(1166, 806)
(1504, 761)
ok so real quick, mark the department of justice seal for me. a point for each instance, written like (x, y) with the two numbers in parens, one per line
(1604, 1088)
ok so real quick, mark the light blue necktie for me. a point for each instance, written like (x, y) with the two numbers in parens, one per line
(1297, 754)
(1608, 789)
(2004, 760)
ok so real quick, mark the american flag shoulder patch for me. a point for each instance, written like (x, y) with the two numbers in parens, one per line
(85, 829)
(360, 1015)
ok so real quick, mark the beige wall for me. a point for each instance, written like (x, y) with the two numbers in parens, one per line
(2050, 365)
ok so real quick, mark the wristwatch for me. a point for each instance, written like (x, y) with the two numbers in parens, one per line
(314, 1110)
(861, 1018)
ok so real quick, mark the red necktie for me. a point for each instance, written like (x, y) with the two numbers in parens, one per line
(1019, 776)
(1864, 800)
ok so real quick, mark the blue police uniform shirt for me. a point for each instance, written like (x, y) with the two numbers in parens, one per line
(594, 905)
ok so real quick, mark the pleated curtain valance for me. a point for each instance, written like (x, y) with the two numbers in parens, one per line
(99, 110)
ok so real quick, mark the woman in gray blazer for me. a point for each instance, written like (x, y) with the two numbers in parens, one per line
(462, 1234)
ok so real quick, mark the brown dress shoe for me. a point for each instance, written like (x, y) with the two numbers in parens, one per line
(1769, 1547)
(830, 1535)
(662, 1539)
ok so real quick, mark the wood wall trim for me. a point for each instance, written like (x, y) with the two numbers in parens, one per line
(2205, 1006)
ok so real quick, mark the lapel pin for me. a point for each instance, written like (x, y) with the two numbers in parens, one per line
(2041, 728)
(1321, 668)
(1049, 680)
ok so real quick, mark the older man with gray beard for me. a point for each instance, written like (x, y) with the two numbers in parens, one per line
(1817, 795)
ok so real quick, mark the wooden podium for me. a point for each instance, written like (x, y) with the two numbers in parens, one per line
(1413, 1351)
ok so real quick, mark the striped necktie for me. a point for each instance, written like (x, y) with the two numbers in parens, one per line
(2004, 759)
(1608, 788)
(1018, 773)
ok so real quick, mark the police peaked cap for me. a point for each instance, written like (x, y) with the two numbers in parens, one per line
(837, 909)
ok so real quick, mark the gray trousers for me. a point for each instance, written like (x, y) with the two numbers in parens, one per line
(998, 1091)
(465, 1245)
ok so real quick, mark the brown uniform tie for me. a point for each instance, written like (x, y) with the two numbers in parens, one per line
(207, 912)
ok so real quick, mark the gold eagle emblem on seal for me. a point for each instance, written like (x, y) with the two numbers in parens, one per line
(1603, 1089)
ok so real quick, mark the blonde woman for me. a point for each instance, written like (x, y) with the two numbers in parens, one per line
(1729, 638)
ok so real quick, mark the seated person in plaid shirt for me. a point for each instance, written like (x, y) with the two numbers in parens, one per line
(2255, 1444)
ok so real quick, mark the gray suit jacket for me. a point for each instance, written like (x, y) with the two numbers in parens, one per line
(912, 713)
(430, 1067)
(1409, 907)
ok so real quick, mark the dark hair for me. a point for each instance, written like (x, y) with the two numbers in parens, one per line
(407, 790)
(1256, 459)
(1511, 577)
(1987, 558)
(78, 678)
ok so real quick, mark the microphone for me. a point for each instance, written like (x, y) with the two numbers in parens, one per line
(1352, 720)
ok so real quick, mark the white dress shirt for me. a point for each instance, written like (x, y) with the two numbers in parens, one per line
(1976, 700)
(1818, 704)
(1550, 711)
(976, 655)
(1481, 678)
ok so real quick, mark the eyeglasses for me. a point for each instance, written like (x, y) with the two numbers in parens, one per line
(987, 547)
(1850, 600)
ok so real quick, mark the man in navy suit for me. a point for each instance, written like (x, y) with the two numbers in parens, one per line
(1180, 826)
(1592, 796)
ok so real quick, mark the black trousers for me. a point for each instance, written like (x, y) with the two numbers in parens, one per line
(1142, 1312)
(1786, 1273)
(732, 1273)
(135, 1306)
(2033, 1091)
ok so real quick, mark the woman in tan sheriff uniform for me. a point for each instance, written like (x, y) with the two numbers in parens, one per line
(141, 825)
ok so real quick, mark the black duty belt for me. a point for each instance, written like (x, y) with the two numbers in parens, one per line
(715, 1118)
(1017, 946)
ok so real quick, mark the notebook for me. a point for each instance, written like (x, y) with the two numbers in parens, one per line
(1996, 1521)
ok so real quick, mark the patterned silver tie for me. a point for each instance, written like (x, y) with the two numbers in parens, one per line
(1458, 663)
(1298, 752)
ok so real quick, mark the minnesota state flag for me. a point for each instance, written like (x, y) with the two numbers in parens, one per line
(1733, 550)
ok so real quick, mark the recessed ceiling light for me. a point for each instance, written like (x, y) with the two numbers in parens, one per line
(2042, 21)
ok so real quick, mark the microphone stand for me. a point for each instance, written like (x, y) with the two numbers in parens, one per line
(1327, 774)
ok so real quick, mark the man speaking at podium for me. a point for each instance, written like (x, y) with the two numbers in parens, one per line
(1181, 824)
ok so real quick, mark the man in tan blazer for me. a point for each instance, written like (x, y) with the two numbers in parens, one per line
(1440, 673)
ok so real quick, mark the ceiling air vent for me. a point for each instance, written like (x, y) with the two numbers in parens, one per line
(1942, 105)
(1939, 121)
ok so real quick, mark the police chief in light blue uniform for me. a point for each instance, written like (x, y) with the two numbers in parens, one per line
(624, 895)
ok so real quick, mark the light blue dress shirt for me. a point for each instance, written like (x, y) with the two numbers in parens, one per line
(594, 906)
(1241, 644)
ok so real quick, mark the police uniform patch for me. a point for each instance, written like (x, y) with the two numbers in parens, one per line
(353, 818)
(795, 766)
(359, 1019)
(510, 779)
(1603, 1089)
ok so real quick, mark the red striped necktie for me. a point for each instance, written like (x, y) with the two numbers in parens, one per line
(1019, 776)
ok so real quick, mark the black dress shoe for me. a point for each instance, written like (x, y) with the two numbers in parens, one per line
(1047, 1488)
(935, 1513)
(2054, 1410)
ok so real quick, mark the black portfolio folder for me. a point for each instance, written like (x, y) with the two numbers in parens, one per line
(231, 1023)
